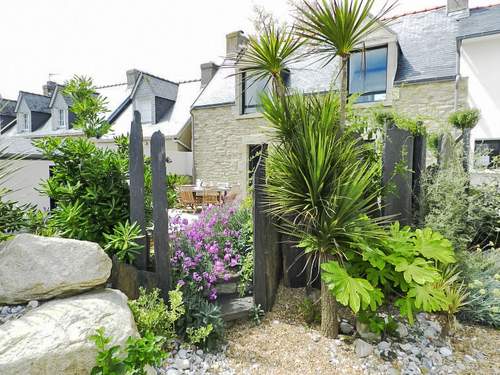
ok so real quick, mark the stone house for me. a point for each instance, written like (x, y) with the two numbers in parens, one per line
(426, 63)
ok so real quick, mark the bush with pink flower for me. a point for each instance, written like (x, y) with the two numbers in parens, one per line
(211, 248)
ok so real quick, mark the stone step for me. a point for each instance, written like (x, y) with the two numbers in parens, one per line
(236, 308)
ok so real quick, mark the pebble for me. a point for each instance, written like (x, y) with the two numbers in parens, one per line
(346, 328)
(362, 348)
(445, 352)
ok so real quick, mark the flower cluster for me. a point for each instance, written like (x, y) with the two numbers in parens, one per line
(209, 249)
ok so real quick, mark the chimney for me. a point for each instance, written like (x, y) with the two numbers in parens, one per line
(457, 8)
(235, 41)
(132, 76)
(208, 71)
(49, 88)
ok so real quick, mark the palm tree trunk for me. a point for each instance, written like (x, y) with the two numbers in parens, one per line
(329, 324)
(343, 91)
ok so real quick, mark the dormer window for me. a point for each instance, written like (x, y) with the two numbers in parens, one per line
(62, 117)
(368, 74)
(25, 123)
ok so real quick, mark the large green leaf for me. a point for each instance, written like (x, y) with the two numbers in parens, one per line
(349, 291)
(433, 245)
(428, 298)
(406, 307)
(419, 271)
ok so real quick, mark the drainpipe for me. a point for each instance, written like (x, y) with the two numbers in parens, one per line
(457, 73)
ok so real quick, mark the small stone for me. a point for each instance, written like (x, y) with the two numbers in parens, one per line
(383, 346)
(430, 333)
(445, 351)
(181, 364)
(406, 347)
(469, 358)
(393, 371)
(346, 328)
(182, 354)
(362, 348)
(402, 331)
(33, 304)
(199, 352)
(275, 322)
(172, 371)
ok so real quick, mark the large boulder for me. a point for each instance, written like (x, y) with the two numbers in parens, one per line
(54, 338)
(40, 268)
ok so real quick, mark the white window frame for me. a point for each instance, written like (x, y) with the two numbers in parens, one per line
(25, 123)
(62, 120)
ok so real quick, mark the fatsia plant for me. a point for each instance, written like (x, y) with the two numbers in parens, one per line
(335, 29)
(319, 187)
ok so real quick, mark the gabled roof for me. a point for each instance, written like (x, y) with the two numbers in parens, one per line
(35, 102)
(160, 87)
(427, 51)
(57, 90)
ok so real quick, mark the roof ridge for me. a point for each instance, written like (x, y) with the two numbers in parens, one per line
(414, 12)
(158, 77)
(111, 85)
(485, 6)
(32, 93)
(7, 100)
(190, 80)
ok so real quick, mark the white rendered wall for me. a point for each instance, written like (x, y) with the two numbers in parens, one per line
(480, 63)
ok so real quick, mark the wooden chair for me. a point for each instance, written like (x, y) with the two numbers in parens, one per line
(187, 199)
(210, 197)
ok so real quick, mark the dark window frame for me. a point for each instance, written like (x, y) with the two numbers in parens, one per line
(480, 142)
(384, 46)
(243, 106)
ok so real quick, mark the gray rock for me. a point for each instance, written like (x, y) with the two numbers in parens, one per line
(54, 338)
(199, 352)
(365, 333)
(40, 268)
(182, 364)
(469, 358)
(383, 346)
(445, 351)
(172, 371)
(33, 304)
(430, 333)
(406, 347)
(393, 371)
(182, 354)
(346, 328)
(362, 348)
(402, 331)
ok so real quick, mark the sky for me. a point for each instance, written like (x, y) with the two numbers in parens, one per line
(104, 38)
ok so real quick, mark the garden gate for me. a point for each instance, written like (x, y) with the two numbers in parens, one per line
(146, 272)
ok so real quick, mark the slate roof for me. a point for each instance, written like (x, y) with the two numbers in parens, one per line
(427, 51)
(8, 107)
(66, 98)
(35, 102)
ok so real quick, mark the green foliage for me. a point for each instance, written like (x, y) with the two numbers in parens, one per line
(152, 315)
(384, 326)
(464, 119)
(88, 186)
(414, 126)
(256, 314)
(173, 183)
(311, 311)
(122, 241)
(88, 107)
(246, 274)
(199, 335)
(138, 353)
(349, 291)
(481, 274)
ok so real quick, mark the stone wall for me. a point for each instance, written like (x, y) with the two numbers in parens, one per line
(434, 101)
(221, 136)
(221, 139)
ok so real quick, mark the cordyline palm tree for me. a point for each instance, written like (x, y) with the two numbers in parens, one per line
(320, 186)
(336, 28)
(269, 55)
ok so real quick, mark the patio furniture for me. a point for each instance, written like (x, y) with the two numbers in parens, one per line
(232, 194)
(211, 196)
(187, 198)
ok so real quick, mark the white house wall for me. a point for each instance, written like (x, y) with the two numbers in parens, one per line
(25, 180)
(480, 63)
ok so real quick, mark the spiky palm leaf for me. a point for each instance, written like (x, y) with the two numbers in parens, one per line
(270, 54)
(335, 28)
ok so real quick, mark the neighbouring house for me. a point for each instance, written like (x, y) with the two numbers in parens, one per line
(164, 105)
(427, 63)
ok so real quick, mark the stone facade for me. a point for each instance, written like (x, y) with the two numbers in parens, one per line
(222, 137)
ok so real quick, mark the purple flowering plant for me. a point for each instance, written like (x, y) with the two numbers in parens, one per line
(210, 248)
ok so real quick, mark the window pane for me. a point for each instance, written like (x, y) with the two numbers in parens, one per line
(252, 88)
(487, 153)
(368, 74)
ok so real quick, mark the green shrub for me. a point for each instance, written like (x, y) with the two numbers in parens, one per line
(481, 273)
(464, 119)
(88, 185)
(152, 315)
(310, 311)
(122, 241)
(138, 353)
